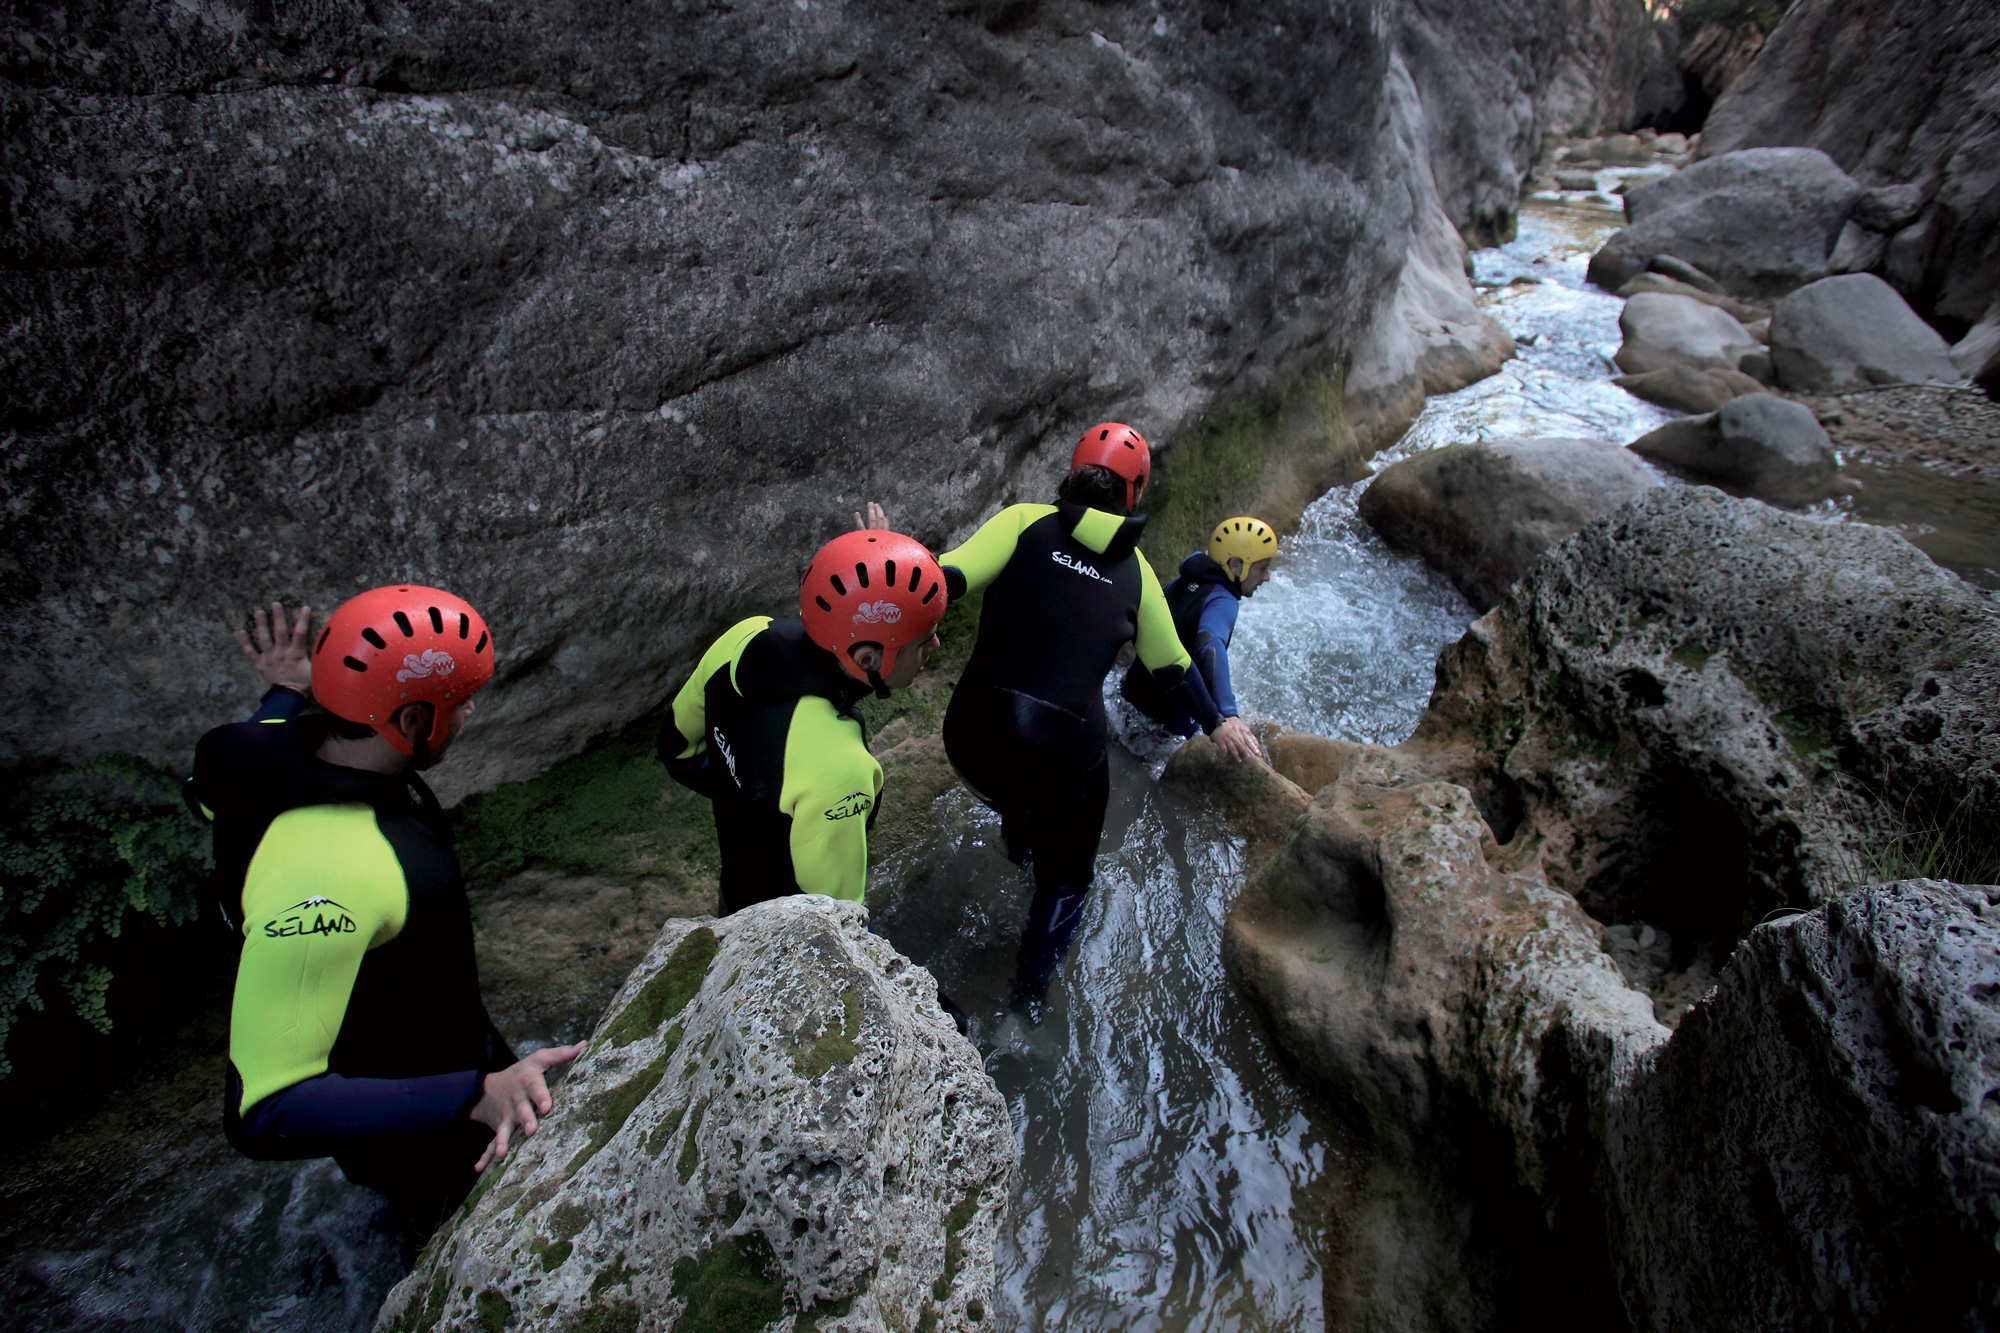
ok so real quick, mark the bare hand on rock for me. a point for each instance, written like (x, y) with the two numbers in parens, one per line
(277, 657)
(875, 521)
(1236, 741)
(514, 1096)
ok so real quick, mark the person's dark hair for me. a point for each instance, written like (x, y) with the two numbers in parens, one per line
(1095, 488)
(347, 729)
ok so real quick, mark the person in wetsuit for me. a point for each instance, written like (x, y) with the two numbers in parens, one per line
(357, 1030)
(765, 727)
(1065, 590)
(1203, 600)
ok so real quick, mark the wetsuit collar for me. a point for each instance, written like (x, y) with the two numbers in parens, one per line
(1201, 567)
(1110, 536)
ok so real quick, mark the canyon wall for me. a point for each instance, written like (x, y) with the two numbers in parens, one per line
(604, 315)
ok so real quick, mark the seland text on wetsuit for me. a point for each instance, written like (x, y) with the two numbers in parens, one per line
(356, 1030)
(765, 728)
(1204, 601)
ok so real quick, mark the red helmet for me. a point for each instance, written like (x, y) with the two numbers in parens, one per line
(1117, 446)
(871, 587)
(401, 645)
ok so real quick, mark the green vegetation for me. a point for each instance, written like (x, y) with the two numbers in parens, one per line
(831, 1047)
(617, 1275)
(669, 989)
(1924, 844)
(616, 1317)
(731, 1288)
(690, 1156)
(493, 1310)
(1225, 464)
(79, 853)
(610, 810)
(608, 1111)
(955, 1223)
(663, 1132)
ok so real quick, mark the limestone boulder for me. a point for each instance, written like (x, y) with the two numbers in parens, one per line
(1256, 796)
(1761, 222)
(1664, 330)
(1743, 312)
(1824, 1119)
(1976, 356)
(1482, 514)
(773, 1119)
(1757, 444)
(1685, 389)
(1852, 331)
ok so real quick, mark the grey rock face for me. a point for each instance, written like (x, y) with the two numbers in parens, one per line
(1743, 312)
(1482, 514)
(1686, 389)
(1852, 331)
(1824, 1119)
(1758, 445)
(1664, 330)
(1902, 94)
(1858, 250)
(1671, 266)
(605, 316)
(773, 1110)
(1761, 222)
(1976, 356)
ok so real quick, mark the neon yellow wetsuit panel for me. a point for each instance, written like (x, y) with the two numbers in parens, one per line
(691, 704)
(831, 782)
(323, 889)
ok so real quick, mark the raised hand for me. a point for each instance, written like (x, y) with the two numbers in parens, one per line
(278, 657)
(875, 521)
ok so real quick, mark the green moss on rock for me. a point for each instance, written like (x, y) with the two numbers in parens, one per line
(691, 1150)
(732, 1288)
(663, 1133)
(669, 990)
(831, 1047)
(612, 1317)
(493, 1311)
(617, 1275)
(609, 1110)
(955, 1223)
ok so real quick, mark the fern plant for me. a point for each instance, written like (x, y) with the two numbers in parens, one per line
(78, 857)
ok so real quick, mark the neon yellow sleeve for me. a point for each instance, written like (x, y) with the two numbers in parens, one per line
(691, 704)
(986, 552)
(1159, 644)
(323, 889)
(831, 784)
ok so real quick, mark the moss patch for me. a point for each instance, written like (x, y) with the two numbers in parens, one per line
(567, 1220)
(493, 1311)
(663, 1133)
(609, 1110)
(732, 1288)
(614, 1317)
(955, 1223)
(1692, 656)
(552, 1253)
(691, 1150)
(617, 1275)
(831, 1047)
(669, 990)
(808, 1320)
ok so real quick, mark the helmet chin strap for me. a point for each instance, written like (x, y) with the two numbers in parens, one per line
(875, 680)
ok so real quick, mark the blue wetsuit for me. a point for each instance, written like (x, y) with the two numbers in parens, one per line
(1204, 603)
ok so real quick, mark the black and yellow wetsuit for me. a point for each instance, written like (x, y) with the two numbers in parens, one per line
(765, 728)
(357, 1030)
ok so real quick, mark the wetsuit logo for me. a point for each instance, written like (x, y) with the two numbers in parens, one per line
(328, 918)
(850, 805)
(728, 756)
(430, 662)
(878, 613)
(1067, 563)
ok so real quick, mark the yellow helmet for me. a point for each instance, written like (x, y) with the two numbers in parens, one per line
(1242, 538)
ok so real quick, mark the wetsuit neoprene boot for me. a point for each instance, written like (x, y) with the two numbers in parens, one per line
(1053, 917)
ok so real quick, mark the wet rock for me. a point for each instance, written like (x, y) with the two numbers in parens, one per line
(1824, 1119)
(1902, 94)
(1664, 330)
(1483, 514)
(774, 1118)
(1254, 795)
(1743, 312)
(1576, 180)
(1852, 331)
(1685, 389)
(1761, 222)
(1671, 266)
(1976, 356)
(1758, 445)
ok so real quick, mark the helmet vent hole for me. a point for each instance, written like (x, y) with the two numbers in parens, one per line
(354, 664)
(861, 573)
(403, 624)
(1103, 435)
(376, 639)
(915, 576)
(839, 588)
(824, 605)
(437, 621)
(929, 593)
(480, 647)
(464, 625)
(324, 635)
(888, 573)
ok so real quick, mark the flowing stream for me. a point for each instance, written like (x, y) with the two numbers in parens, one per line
(1172, 1174)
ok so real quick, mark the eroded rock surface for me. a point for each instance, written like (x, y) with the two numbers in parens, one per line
(774, 1118)
(1482, 514)
(1663, 330)
(1853, 331)
(1755, 444)
(1825, 1120)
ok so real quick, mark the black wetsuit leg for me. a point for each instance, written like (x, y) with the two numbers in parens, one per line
(1051, 797)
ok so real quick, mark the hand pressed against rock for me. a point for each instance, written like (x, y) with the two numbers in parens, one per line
(875, 520)
(1236, 740)
(279, 658)
(514, 1096)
